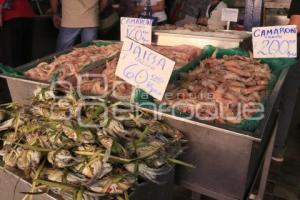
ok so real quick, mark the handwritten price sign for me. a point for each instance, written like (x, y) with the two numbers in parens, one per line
(137, 29)
(275, 42)
(230, 14)
(144, 68)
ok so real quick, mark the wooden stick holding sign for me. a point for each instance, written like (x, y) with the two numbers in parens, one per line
(230, 15)
(144, 68)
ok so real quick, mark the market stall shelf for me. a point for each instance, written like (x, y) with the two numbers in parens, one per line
(221, 39)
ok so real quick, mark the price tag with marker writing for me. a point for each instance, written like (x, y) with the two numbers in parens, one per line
(275, 42)
(230, 15)
(144, 68)
(138, 29)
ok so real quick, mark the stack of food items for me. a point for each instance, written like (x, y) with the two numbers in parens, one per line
(101, 80)
(181, 54)
(72, 63)
(226, 90)
(186, 27)
(109, 84)
(93, 149)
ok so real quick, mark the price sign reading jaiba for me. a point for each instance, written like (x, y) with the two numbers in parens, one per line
(275, 42)
(138, 29)
(144, 68)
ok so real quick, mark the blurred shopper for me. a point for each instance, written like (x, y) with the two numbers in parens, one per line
(213, 15)
(109, 27)
(192, 10)
(294, 15)
(152, 9)
(289, 94)
(15, 37)
(16, 32)
(127, 8)
(169, 5)
(79, 18)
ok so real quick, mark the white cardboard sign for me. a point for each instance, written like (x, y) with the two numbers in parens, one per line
(144, 68)
(275, 42)
(230, 14)
(137, 29)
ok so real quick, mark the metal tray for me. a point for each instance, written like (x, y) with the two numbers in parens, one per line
(229, 34)
(221, 39)
(227, 160)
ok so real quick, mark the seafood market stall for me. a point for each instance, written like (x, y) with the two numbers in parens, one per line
(227, 159)
(199, 37)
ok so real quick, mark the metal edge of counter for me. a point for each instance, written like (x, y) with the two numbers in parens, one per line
(199, 124)
(205, 35)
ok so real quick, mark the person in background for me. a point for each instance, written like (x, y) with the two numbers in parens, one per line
(79, 18)
(192, 10)
(294, 15)
(290, 92)
(15, 37)
(127, 8)
(16, 32)
(109, 27)
(154, 9)
(213, 15)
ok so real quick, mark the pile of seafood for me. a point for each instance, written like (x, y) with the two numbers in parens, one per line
(181, 54)
(94, 149)
(69, 67)
(221, 90)
(188, 27)
(72, 63)
(109, 84)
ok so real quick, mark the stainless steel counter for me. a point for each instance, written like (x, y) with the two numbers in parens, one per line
(221, 39)
(227, 160)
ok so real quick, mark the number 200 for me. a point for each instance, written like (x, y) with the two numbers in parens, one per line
(274, 47)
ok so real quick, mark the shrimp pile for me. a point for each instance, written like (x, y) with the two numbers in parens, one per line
(182, 54)
(219, 89)
(72, 63)
(105, 84)
(109, 84)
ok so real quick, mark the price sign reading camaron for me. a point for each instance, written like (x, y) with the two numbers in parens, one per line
(144, 68)
(137, 29)
(275, 42)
